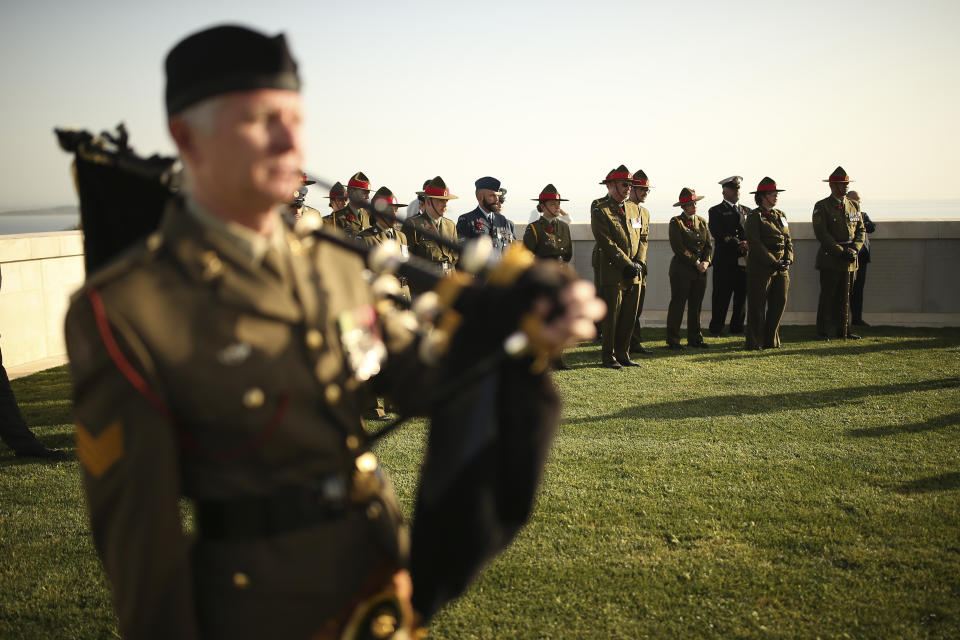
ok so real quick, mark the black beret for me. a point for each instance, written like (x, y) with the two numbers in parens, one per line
(487, 183)
(224, 59)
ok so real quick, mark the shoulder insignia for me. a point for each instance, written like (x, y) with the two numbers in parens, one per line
(99, 453)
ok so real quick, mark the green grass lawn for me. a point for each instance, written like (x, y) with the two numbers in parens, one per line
(812, 491)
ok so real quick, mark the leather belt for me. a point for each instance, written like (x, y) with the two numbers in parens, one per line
(286, 509)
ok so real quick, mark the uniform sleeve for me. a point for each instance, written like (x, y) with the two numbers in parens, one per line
(530, 238)
(463, 229)
(676, 243)
(787, 241)
(567, 254)
(757, 248)
(829, 245)
(129, 456)
(716, 229)
(706, 254)
(860, 235)
(601, 233)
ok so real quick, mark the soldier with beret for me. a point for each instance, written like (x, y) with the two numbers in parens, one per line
(690, 241)
(353, 218)
(486, 219)
(616, 225)
(639, 191)
(384, 209)
(225, 361)
(729, 257)
(768, 261)
(435, 198)
(840, 230)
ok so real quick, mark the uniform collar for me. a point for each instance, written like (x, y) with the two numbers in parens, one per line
(250, 244)
(732, 204)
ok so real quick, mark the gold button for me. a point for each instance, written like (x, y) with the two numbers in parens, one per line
(373, 510)
(211, 264)
(154, 240)
(241, 580)
(332, 393)
(253, 398)
(383, 626)
(353, 443)
(314, 339)
(367, 463)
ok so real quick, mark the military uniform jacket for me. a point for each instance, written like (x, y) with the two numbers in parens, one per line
(475, 224)
(837, 225)
(549, 239)
(691, 244)
(424, 247)
(199, 374)
(768, 235)
(375, 235)
(726, 227)
(618, 240)
(349, 220)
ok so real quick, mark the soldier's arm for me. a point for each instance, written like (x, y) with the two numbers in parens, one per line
(131, 477)
(716, 229)
(757, 248)
(567, 255)
(787, 243)
(599, 224)
(676, 243)
(463, 229)
(859, 235)
(827, 242)
(707, 253)
(530, 238)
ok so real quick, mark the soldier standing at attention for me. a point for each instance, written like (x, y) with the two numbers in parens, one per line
(616, 226)
(549, 236)
(353, 218)
(863, 259)
(385, 227)
(840, 230)
(729, 258)
(486, 219)
(225, 361)
(769, 258)
(639, 191)
(337, 197)
(436, 194)
(690, 241)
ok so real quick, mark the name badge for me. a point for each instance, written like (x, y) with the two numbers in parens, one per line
(853, 217)
(636, 223)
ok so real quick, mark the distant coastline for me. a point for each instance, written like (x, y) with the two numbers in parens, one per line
(62, 218)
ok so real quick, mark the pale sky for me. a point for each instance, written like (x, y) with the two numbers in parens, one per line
(529, 92)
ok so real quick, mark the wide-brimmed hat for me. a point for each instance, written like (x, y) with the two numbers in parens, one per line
(620, 173)
(767, 185)
(437, 189)
(304, 180)
(731, 181)
(549, 192)
(337, 191)
(385, 195)
(640, 179)
(687, 195)
(839, 175)
(359, 181)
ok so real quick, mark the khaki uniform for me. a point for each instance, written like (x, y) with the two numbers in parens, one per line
(376, 234)
(691, 244)
(349, 220)
(425, 247)
(203, 371)
(549, 239)
(616, 230)
(636, 339)
(838, 226)
(768, 236)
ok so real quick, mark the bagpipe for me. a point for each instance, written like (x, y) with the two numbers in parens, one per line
(494, 416)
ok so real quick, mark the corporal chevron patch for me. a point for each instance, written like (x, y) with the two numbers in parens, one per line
(99, 453)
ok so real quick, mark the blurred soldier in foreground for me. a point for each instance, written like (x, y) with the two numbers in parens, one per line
(863, 259)
(616, 225)
(840, 230)
(486, 219)
(729, 258)
(690, 241)
(768, 261)
(224, 360)
(436, 195)
(353, 218)
(639, 191)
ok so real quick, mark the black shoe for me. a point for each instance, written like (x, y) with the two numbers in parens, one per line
(860, 323)
(773, 346)
(40, 451)
(560, 365)
(612, 365)
(700, 345)
(641, 349)
(823, 336)
(675, 346)
(852, 336)
(627, 362)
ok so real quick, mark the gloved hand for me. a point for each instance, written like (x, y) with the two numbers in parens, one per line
(641, 266)
(630, 271)
(851, 255)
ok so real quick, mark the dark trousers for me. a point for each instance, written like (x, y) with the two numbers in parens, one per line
(856, 296)
(617, 325)
(768, 298)
(685, 291)
(833, 309)
(637, 339)
(728, 280)
(13, 429)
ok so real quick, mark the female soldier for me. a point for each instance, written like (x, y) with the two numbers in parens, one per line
(692, 248)
(770, 255)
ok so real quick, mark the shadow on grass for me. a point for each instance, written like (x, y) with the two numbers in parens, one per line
(935, 422)
(841, 347)
(943, 482)
(743, 404)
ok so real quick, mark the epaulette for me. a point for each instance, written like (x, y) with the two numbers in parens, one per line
(139, 253)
